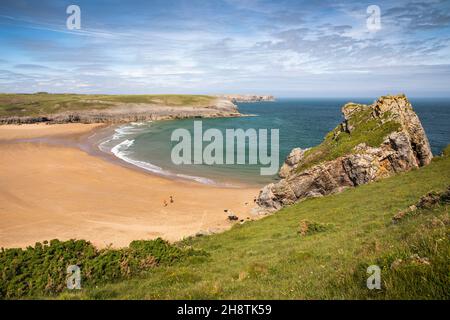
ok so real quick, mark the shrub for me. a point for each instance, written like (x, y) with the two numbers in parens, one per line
(42, 269)
(309, 227)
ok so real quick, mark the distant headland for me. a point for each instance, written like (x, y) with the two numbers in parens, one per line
(246, 97)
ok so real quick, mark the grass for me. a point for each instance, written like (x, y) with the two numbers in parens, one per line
(367, 129)
(42, 269)
(272, 258)
(268, 259)
(41, 104)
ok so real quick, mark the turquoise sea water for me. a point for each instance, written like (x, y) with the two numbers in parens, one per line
(301, 123)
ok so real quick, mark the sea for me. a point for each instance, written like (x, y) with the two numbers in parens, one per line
(301, 122)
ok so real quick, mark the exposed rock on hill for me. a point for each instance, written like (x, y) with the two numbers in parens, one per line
(247, 98)
(373, 142)
(291, 162)
(129, 112)
(426, 202)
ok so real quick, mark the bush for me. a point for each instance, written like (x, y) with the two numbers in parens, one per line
(307, 227)
(42, 269)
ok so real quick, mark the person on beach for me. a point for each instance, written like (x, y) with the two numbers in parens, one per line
(171, 199)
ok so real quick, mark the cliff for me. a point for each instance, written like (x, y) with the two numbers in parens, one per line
(86, 109)
(247, 98)
(373, 142)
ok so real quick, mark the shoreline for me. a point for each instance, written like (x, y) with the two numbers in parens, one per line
(90, 141)
(92, 145)
(129, 205)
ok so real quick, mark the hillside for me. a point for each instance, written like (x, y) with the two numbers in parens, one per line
(60, 108)
(246, 98)
(270, 259)
(277, 257)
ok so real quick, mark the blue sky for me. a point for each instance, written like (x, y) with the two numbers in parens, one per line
(286, 48)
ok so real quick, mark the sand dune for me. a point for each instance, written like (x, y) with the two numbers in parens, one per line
(49, 192)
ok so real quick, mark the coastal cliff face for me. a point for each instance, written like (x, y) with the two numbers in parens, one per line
(373, 142)
(247, 98)
(118, 112)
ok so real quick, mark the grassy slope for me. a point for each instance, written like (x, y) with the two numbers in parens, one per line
(41, 269)
(268, 259)
(367, 129)
(43, 104)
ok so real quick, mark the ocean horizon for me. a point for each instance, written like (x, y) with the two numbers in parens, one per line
(302, 122)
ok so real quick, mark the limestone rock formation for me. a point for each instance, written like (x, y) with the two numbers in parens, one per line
(247, 98)
(291, 162)
(373, 142)
(132, 112)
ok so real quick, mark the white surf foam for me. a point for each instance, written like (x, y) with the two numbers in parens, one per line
(122, 152)
(121, 132)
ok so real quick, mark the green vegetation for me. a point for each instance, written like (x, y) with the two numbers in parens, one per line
(40, 104)
(269, 259)
(163, 99)
(338, 142)
(42, 269)
(446, 151)
(310, 227)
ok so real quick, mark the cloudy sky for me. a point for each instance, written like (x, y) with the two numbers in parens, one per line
(284, 47)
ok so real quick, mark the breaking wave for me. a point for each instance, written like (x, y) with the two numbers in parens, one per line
(123, 152)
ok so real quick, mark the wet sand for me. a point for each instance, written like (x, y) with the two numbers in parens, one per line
(51, 189)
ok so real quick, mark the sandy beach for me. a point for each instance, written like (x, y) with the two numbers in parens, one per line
(52, 191)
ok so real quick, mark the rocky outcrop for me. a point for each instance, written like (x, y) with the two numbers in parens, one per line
(373, 142)
(291, 162)
(244, 98)
(132, 112)
(426, 202)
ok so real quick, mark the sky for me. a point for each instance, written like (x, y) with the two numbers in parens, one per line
(287, 48)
